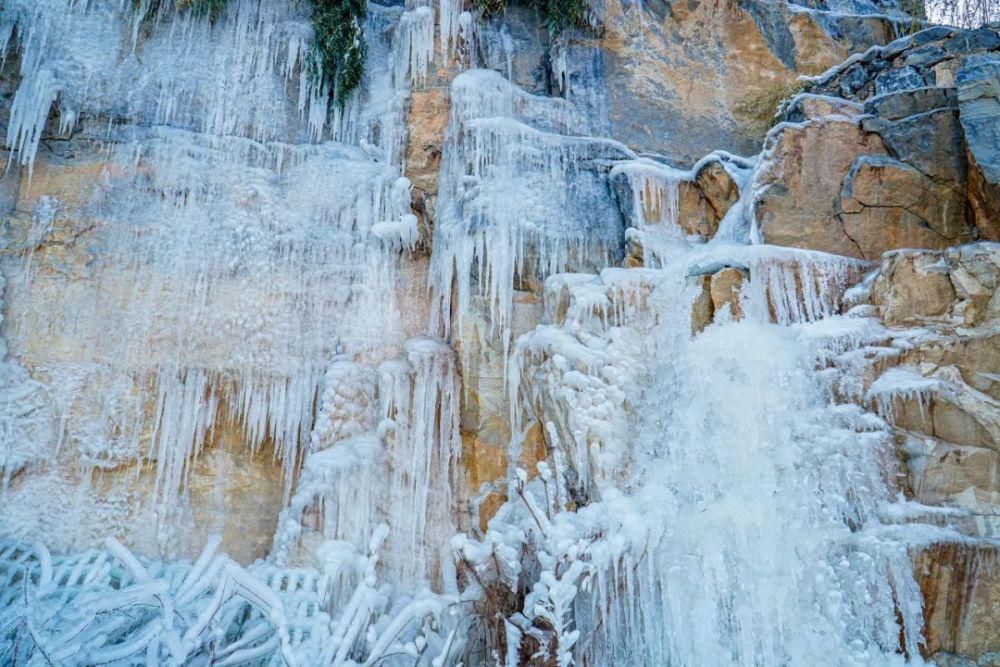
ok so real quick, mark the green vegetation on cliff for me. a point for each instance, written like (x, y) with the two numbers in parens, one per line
(339, 45)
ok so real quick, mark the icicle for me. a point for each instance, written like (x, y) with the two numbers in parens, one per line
(421, 424)
(449, 17)
(509, 203)
(654, 192)
(789, 286)
(902, 384)
(416, 45)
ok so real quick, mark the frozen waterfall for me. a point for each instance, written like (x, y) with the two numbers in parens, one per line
(213, 289)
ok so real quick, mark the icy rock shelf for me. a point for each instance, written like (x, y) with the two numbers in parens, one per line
(705, 500)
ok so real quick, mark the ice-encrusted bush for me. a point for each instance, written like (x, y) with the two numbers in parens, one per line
(107, 606)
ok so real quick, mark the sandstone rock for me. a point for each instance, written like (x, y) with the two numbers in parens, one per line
(703, 202)
(718, 188)
(897, 105)
(799, 191)
(888, 204)
(806, 106)
(237, 496)
(428, 116)
(718, 291)
(815, 44)
(725, 291)
(913, 286)
(485, 403)
(71, 181)
(676, 79)
(951, 138)
(702, 308)
(957, 285)
(634, 251)
(963, 415)
(488, 470)
(926, 58)
(229, 491)
(949, 410)
(930, 141)
(975, 273)
(695, 214)
(946, 292)
(945, 474)
(975, 355)
(961, 588)
(488, 508)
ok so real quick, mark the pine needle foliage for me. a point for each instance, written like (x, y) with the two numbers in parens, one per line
(340, 48)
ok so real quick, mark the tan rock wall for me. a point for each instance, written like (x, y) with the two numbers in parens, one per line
(961, 589)
(802, 180)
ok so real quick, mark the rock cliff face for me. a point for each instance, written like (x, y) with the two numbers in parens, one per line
(898, 171)
(671, 341)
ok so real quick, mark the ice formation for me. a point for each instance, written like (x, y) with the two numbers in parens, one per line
(402, 416)
(503, 146)
(704, 500)
(108, 606)
(253, 249)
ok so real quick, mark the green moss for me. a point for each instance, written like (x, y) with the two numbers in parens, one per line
(560, 15)
(916, 9)
(210, 8)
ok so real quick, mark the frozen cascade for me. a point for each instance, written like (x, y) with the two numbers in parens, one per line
(704, 500)
(252, 302)
(250, 240)
(731, 517)
(403, 415)
(504, 145)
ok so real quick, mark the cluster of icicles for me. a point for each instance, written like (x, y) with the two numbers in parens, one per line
(703, 502)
